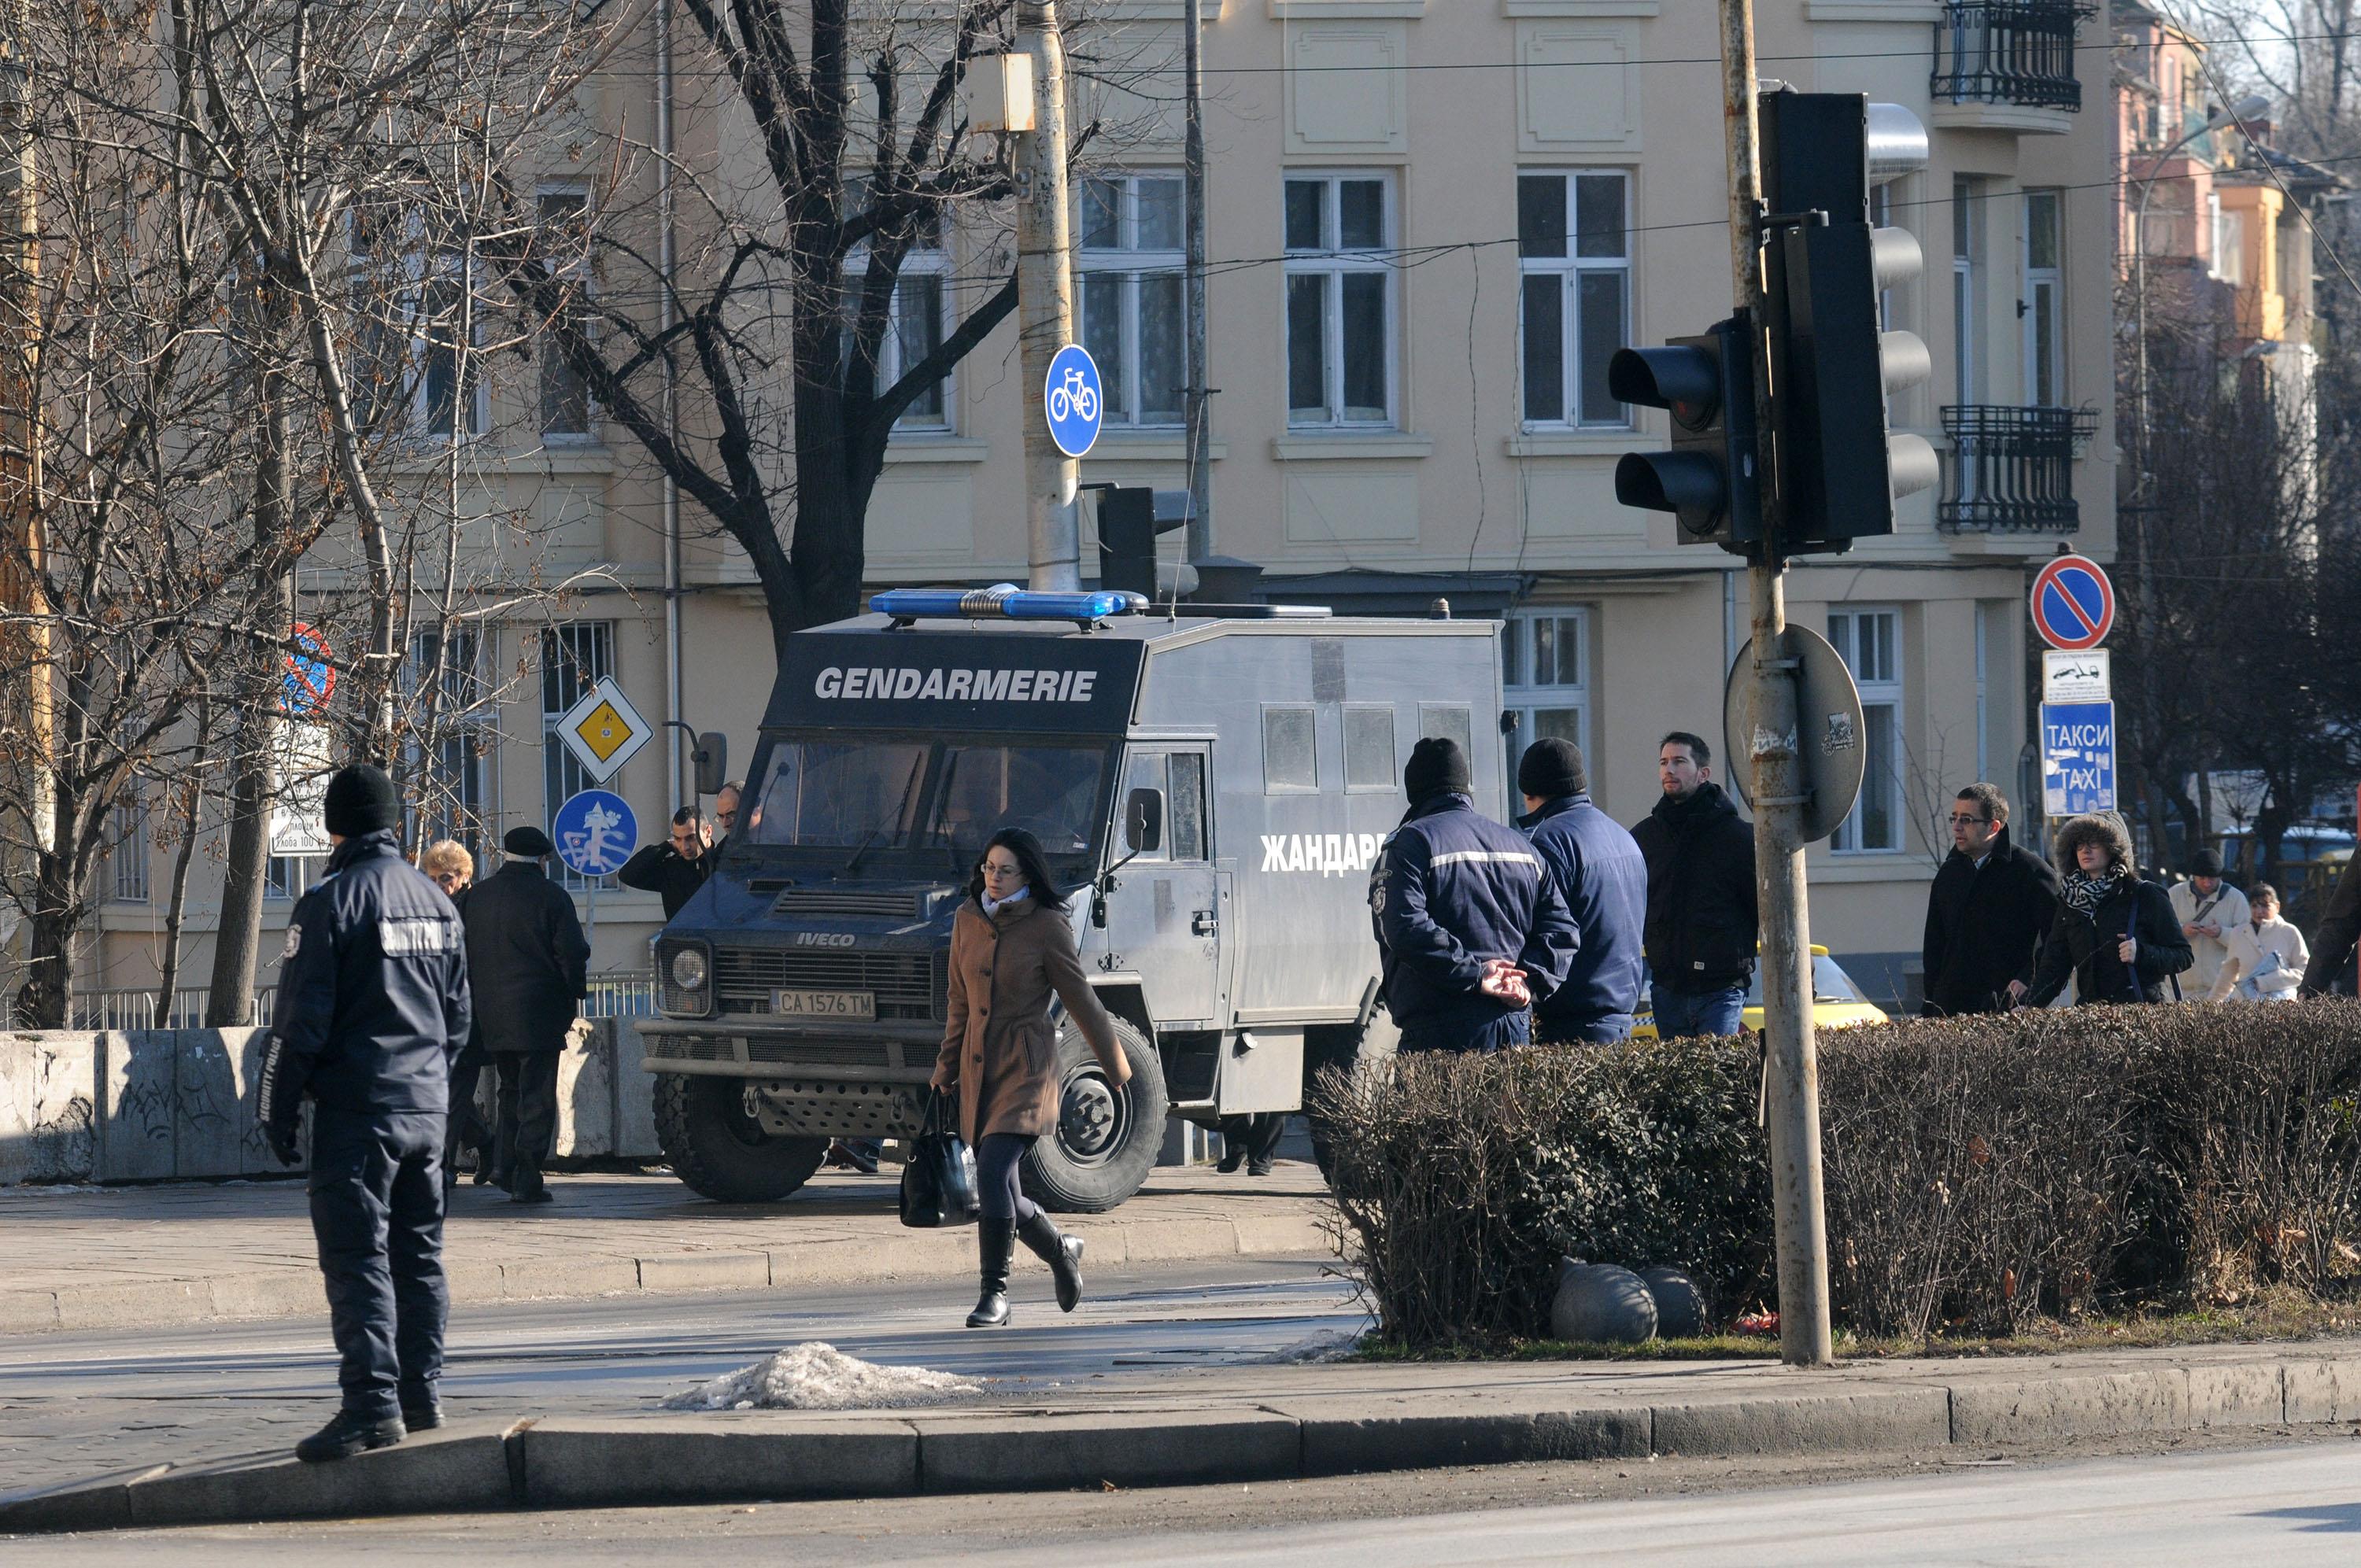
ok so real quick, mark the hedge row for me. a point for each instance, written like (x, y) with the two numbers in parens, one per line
(1980, 1172)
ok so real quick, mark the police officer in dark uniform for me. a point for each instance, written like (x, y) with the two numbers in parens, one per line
(372, 1005)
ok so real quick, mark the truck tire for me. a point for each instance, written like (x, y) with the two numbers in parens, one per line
(721, 1152)
(1362, 1053)
(1106, 1139)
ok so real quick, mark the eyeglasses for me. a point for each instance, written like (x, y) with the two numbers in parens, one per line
(1002, 872)
(1960, 821)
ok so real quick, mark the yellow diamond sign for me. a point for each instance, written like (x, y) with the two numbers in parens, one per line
(603, 730)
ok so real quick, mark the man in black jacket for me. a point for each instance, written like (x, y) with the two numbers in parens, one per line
(1990, 907)
(1701, 913)
(2339, 932)
(372, 1005)
(530, 966)
(675, 870)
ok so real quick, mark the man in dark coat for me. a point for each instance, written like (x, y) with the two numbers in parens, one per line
(529, 965)
(1604, 879)
(1701, 928)
(2339, 932)
(2115, 935)
(372, 1005)
(675, 869)
(1471, 927)
(1990, 907)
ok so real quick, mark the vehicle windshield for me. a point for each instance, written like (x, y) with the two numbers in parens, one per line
(1829, 983)
(870, 794)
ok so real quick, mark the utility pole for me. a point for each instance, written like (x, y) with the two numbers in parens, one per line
(27, 769)
(1045, 299)
(1794, 1087)
(1193, 163)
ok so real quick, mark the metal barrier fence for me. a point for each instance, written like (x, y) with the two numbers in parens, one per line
(624, 995)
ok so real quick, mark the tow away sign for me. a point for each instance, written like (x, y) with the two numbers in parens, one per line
(2078, 757)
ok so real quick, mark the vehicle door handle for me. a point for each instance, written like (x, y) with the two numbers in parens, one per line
(1203, 923)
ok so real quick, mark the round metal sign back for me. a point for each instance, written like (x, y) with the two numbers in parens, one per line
(1831, 747)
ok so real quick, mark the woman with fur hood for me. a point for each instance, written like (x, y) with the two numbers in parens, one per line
(2115, 935)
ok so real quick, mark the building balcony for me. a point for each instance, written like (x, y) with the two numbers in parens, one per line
(2018, 53)
(2011, 469)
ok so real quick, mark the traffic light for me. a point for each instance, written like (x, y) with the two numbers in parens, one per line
(1832, 365)
(1130, 517)
(1707, 479)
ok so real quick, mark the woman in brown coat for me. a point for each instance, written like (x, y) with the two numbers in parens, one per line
(1012, 949)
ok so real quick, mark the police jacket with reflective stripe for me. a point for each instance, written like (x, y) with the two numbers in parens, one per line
(373, 998)
(1453, 888)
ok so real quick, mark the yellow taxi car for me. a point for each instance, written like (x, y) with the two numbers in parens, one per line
(1837, 1001)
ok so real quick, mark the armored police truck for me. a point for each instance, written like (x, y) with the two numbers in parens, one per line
(1214, 787)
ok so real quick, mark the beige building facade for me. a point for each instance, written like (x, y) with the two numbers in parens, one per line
(1431, 222)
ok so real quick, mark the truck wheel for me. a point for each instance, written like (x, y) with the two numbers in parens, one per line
(1106, 1138)
(720, 1151)
(1361, 1053)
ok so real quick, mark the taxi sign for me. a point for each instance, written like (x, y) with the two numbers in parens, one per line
(2073, 603)
(603, 730)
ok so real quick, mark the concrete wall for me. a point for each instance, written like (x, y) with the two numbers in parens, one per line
(178, 1105)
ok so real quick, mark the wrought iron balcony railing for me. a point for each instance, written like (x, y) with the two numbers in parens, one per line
(2010, 52)
(2011, 469)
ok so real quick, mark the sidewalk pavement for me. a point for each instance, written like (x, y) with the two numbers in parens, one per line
(145, 1257)
(1270, 1423)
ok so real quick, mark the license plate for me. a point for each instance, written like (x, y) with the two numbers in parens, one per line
(861, 1005)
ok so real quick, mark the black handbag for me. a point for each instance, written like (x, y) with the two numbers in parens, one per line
(939, 1180)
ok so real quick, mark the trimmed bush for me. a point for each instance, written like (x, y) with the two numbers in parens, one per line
(1980, 1172)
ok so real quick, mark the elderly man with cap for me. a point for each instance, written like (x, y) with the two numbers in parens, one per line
(1604, 878)
(372, 1004)
(2207, 908)
(1471, 927)
(529, 965)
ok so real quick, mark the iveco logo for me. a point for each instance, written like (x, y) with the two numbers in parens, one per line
(823, 938)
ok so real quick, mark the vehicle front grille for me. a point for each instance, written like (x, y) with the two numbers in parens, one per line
(803, 1050)
(906, 985)
(845, 900)
(695, 1047)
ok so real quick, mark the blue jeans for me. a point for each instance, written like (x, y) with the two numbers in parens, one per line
(1685, 1014)
(1466, 1033)
(1606, 1030)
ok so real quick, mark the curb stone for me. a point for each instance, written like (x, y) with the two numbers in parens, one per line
(754, 1457)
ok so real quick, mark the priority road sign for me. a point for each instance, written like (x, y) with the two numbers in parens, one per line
(603, 730)
(2073, 603)
(2078, 757)
(1074, 401)
(595, 832)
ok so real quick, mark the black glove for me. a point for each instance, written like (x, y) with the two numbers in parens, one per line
(282, 1138)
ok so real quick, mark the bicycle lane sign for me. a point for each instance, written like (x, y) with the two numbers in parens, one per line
(1073, 400)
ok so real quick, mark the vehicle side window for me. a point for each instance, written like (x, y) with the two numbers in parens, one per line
(1148, 772)
(1368, 748)
(1289, 763)
(1184, 808)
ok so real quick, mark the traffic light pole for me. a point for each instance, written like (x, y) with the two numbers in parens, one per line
(1794, 1087)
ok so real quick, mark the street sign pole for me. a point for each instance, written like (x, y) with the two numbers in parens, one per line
(1805, 1336)
(1045, 301)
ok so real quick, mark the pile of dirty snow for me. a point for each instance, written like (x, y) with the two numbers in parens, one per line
(816, 1377)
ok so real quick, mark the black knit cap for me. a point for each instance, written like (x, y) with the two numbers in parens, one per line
(1437, 766)
(2208, 862)
(531, 842)
(361, 800)
(1552, 767)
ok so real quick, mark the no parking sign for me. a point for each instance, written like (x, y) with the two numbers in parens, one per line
(2073, 603)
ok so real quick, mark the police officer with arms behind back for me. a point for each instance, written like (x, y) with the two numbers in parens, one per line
(1470, 923)
(372, 1005)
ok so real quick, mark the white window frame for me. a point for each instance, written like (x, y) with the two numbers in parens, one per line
(2045, 299)
(1880, 684)
(126, 849)
(1967, 243)
(1527, 697)
(921, 260)
(577, 270)
(1571, 268)
(425, 268)
(1332, 261)
(1129, 262)
(562, 774)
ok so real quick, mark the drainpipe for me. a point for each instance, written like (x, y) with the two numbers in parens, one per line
(674, 786)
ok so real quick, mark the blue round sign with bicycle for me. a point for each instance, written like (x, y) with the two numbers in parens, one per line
(1074, 399)
(595, 832)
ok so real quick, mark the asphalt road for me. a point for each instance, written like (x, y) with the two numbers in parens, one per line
(73, 1406)
(2232, 1500)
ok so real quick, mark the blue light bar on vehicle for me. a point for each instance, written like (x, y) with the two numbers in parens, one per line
(1006, 600)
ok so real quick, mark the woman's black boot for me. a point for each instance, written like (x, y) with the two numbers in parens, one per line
(995, 1245)
(1062, 1253)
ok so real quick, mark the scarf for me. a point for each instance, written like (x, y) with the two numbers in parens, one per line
(2084, 892)
(995, 905)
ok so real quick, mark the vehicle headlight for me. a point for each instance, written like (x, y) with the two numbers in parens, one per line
(688, 970)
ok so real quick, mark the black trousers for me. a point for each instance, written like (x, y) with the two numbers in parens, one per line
(465, 1128)
(528, 1130)
(377, 1215)
(1259, 1133)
